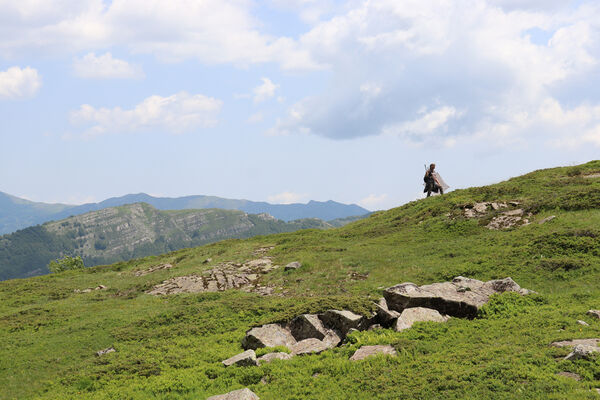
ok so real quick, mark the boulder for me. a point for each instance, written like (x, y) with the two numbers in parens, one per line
(309, 346)
(582, 351)
(582, 323)
(417, 314)
(105, 351)
(460, 298)
(267, 358)
(575, 342)
(385, 316)
(247, 358)
(307, 326)
(341, 321)
(242, 394)
(594, 313)
(270, 335)
(292, 265)
(366, 351)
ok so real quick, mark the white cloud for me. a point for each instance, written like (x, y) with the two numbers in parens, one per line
(442, 71)
(374, 201)
(18, 82)
(105, 67)
(286, 198)
(178, 113)
(213, 31)
(264, 91)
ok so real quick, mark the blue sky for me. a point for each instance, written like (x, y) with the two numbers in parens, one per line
(291, 100)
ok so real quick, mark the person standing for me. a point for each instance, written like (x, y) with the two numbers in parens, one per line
(432, 184)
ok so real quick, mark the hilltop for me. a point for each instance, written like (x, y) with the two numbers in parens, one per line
(541, 229)
(132, 231)
(17, 213)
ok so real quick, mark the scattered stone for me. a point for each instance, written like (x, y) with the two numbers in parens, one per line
(247, 358)
(292, 265)
(225, 276)
(547, 219)
(341, 321)
(386, 316)
(153, 269)
(417, 314)
(87, 290)
(105, 351)
(446, 297)
(480, 207)
(267, 358)
(270, 335)
(508, 219)
(569, 375)
(307, 326)
(309, 346)
(576, 342)
(366, 351)
(583, 323)
(594, 313)
(262, 250)
(582, 351)
(242, 394)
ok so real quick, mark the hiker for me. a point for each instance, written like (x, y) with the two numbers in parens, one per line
(432, 184)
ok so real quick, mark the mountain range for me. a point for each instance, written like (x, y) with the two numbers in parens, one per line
(134, 230)
(17, 213)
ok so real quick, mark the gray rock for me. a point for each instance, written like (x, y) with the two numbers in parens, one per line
(594, 313)
(307, 326)
(267, 358)
(270, 335)
(309, 346)
(582, 323)
(105, 351)
(417, 314)
(582, 351)
(242, 394)
(292, 265)
(375, 327)
(341, 321)
(386, 317)
(460, 298)
(246, 359)
(575, 342)
(366, 351)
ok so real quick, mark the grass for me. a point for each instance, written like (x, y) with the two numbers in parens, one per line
(172, 347)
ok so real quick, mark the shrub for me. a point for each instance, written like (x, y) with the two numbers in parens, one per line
(65, 264)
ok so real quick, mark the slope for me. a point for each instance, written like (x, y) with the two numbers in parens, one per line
(135, 230)
(16, 213)
(171, 347)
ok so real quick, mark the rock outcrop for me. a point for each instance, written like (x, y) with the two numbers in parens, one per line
(462, 297)
(594, 313)
(105, 351)
(153, 269)
(247, 358)
(242, 394)
(417, 314)
(225, 276)
(367, 351)
(502, 219)
(270, 335)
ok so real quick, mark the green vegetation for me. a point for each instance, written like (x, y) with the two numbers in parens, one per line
(65, 264)
(171, 347)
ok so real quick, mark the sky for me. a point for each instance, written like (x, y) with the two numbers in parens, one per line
(291, 100)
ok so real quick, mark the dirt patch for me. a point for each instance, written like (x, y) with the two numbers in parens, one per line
(592, 176)
(225, 276)
(153, 269)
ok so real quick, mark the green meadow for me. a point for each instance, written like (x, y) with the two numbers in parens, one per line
(171, 347)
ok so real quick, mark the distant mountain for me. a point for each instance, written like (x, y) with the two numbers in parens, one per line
(17, 213)
(136, 230)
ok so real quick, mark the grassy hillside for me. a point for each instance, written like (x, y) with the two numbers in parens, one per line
(130, 231)
(171, 347)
